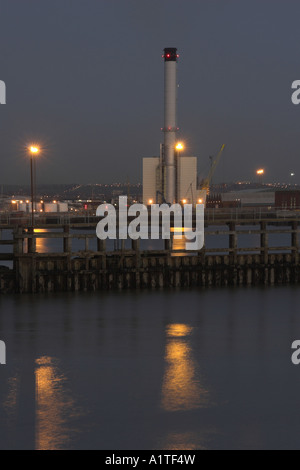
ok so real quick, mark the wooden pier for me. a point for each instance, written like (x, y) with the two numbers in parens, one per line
(102, 269)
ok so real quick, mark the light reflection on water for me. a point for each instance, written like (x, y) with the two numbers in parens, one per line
(48, 245)
(181, 389)
(11, 403)
(41, 243)
(55, 407)
(183, 441)
(179, 244)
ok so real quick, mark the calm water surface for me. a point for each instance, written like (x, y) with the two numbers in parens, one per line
(151, 370)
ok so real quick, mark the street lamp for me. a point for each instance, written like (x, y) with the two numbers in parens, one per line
(179, 147)
(33, 151)
(260, 174)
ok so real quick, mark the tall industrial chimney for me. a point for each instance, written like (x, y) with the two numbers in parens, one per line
(170, 125)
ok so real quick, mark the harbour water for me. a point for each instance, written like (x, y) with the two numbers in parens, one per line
(189, 369)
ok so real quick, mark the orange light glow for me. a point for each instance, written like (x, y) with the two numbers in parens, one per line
(260, 172)
(181, 389)
(34, 149)
(54, 408)
(179, 146)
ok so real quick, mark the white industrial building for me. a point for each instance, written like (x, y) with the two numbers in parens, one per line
(151, 180)
(185, 182)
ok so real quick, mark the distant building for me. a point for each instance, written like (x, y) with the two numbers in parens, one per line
(214, 201)
(249, 198)
(154, 180)
(187, 179)
(151, 180)
(39, 207)
(287, 199)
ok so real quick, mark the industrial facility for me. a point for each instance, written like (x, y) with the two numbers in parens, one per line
(39, 207)
(172, 177)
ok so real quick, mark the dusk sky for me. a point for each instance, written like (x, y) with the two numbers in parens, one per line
(85, 79)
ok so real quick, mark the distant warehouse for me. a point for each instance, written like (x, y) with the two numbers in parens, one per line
(281, 199)
(248, 198)
(287, 199)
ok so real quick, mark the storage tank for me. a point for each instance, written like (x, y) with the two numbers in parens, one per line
(23, 207)
(63, 207)
(26, 207)
(50, 207)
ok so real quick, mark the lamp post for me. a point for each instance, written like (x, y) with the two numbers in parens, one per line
(179, 147)
(260, 174)
(293, 179)
(33, 151)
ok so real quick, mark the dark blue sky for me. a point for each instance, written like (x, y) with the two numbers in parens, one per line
(85, 78)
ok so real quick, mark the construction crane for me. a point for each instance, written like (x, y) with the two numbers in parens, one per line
(205, 184)
(190, 188)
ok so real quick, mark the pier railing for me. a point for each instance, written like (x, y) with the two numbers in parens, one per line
(11, 220)
(224, 237)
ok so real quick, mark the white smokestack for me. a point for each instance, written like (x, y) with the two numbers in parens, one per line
(170, 124)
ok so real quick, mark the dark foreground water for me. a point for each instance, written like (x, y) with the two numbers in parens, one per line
(151, 370)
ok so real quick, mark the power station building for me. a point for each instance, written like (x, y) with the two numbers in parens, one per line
(171, 177)
(154, 180)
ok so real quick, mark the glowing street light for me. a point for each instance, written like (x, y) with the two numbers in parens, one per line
(33, 151)
(260, 173)
(292, 178)
(179, 146)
